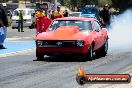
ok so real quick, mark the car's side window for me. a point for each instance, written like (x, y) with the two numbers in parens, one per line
(96, 26)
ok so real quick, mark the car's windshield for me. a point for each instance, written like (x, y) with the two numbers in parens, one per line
(90, 10)
(83, 25)
(26, 12)
(76, 14)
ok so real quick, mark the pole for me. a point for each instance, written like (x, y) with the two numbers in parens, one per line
(55, 3)
(25, 2)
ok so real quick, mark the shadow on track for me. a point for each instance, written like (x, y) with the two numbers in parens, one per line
(66, 58)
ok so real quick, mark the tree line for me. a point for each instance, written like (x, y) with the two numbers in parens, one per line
(14, 1)
(76, 5)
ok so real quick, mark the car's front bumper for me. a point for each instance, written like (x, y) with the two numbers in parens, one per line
(63, 50)
(25, 23)
(61, 47)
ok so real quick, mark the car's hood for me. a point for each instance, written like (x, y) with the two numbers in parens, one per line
(63, 33)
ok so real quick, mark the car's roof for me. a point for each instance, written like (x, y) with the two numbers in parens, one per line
(75, 18)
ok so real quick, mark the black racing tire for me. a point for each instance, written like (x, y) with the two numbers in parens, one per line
(13, 27)
(89, 55)
(39, 56)
(103, 51)
(31, 27)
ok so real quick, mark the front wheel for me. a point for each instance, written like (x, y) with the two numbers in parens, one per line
(103, 50)
(89, 55)
(31, 27)
(39, 56)
(13, 27)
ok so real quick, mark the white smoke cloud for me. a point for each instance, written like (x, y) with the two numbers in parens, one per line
(120, 31)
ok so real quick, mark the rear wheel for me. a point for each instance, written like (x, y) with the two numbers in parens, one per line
(103, 50)
(31, 27)
(39, 56)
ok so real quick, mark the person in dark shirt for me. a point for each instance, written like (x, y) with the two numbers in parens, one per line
(52, 15)
(3, 17)
(105, 15)
(3, 26)
(66, 14)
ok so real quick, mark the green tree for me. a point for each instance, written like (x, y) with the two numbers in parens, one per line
(103, 2)
(2, 1)
(78, 4)
(62, 2)
(121, 4)
(15, 1)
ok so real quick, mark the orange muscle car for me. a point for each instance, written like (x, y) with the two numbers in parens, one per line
(73, 35)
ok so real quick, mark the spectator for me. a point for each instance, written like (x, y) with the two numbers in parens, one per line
(41, 13)
(66, 14)
(3, 26)
(20, 21)
(57, 14)
(40, 19)
(52, 15)
(105, 15)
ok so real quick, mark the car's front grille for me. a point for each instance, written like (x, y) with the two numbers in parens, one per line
(18, 21)
(58, 43)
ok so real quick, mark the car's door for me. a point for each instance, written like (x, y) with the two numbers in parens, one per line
(98, 35)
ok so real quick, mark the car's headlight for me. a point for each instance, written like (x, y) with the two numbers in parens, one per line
(39, 43)
(80, 43)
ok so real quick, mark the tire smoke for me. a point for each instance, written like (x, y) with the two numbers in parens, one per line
(120, 31)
